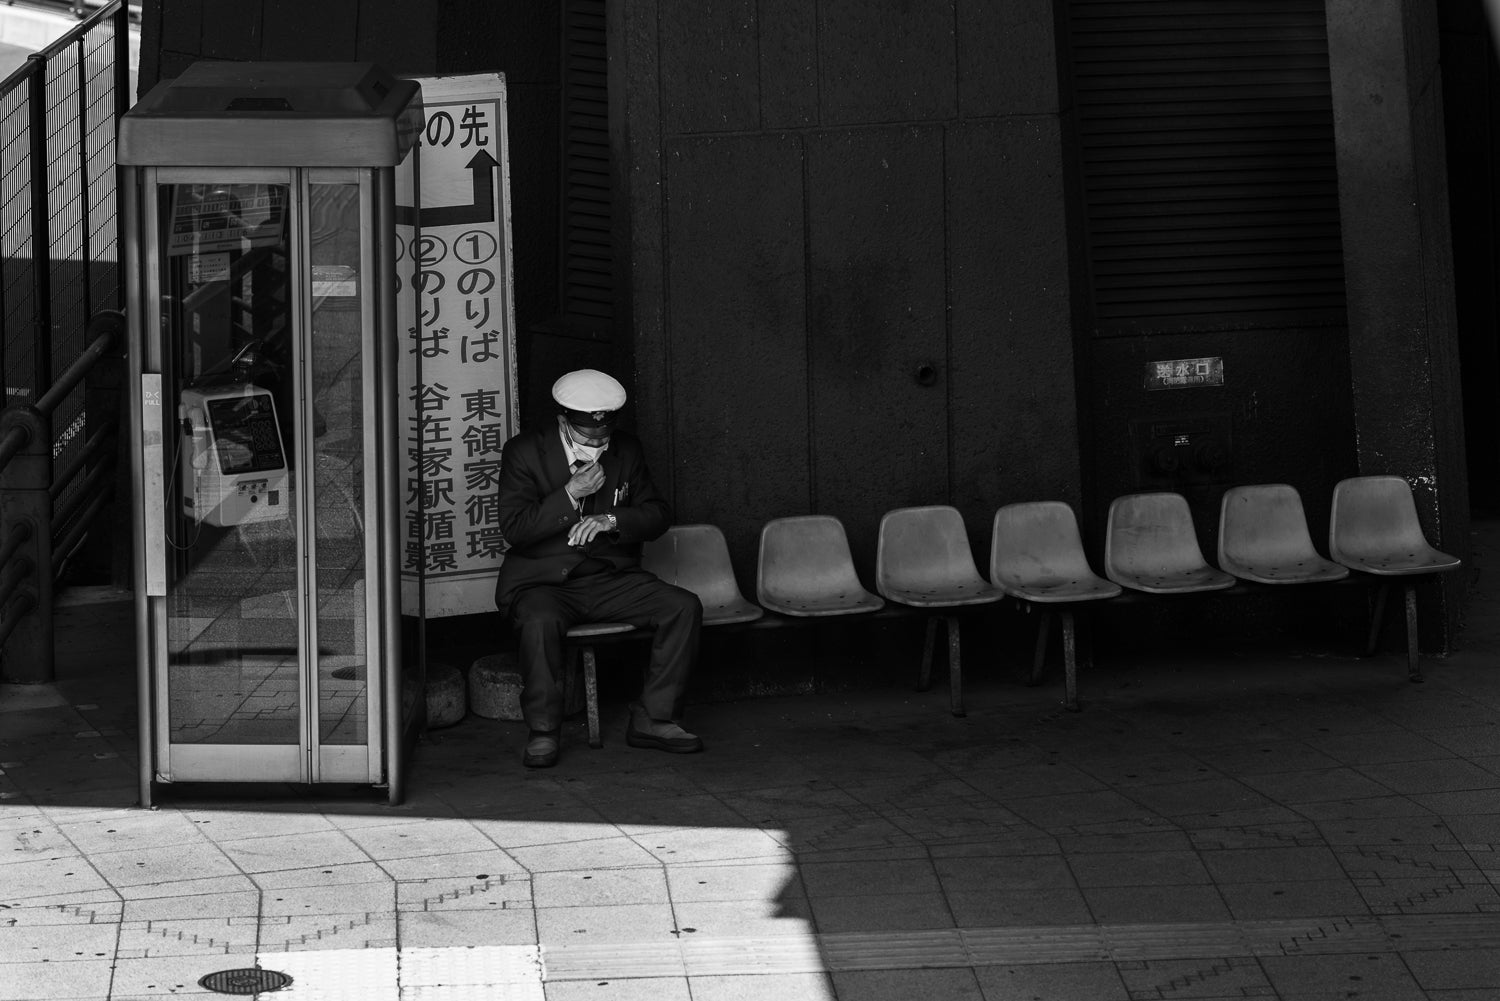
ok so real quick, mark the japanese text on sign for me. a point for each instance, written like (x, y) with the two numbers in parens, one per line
(1179, 373)
(458, 374)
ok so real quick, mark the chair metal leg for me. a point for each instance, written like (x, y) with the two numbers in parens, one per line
(924, 674)
(1043, 631)
(1377, 618)
(955, 670)
(1413, 668)
(1085, 638)
(1070, 664)
(591, 696)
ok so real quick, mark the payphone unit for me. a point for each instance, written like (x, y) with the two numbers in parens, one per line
(234, 469)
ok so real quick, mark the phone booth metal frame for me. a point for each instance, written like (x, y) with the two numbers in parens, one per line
(260, 205)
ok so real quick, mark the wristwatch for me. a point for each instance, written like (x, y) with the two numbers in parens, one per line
(614, 523)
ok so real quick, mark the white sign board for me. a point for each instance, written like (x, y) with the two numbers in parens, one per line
(458, 372)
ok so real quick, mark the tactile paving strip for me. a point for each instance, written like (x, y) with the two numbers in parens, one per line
(459, 966)
(336, 974)
(842, 953)
(517, 973)
(427, 974)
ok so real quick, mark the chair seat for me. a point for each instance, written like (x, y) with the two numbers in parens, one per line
(1374, 528)
(1315, 570)
(805, 569)
(1150, 545)
(585, 630)
(924, 560)
(696, 558)
(1061, 589)
(1401, 563)
(978, 593)
(728, 613)
(1036, 555)
(1203, 578)
(1263, 537)
(832, 604)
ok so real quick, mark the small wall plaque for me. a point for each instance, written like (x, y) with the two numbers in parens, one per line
(1182, 373)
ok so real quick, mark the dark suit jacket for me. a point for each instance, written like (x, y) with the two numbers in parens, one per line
(536, 512)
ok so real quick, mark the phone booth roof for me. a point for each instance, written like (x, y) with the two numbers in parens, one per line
(228, 114)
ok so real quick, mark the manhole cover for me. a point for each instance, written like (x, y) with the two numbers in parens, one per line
(251, 980)
(346, 673)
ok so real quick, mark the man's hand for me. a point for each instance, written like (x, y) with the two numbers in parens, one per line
(583, 533)
(586, 481)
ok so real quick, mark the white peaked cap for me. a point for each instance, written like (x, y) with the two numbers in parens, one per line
(589, 390)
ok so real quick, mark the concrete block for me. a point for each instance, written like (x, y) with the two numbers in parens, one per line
(447, 702)
(495, 688)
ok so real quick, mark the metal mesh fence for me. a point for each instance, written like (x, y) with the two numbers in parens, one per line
(59, 233)
(18, 289)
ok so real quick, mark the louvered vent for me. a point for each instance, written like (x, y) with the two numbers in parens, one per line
(1206, 132)
(588, 287)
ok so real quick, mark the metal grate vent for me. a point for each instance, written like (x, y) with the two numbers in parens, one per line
(249, 980)
(1207, 152)
(588, 280)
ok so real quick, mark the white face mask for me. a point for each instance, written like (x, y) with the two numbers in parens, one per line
(588, 452)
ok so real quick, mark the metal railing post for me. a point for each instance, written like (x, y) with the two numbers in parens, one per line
(123, 98)
(26, 508)
(85, 257)
(41, 229)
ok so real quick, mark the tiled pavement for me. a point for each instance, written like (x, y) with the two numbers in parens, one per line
(1276, 825)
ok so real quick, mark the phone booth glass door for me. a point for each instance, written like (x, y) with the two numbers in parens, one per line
(265, 670)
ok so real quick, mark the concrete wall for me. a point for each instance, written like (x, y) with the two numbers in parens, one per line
(851, 277)
(1471, 126)
(847, 231)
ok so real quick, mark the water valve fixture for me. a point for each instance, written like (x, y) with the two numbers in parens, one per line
(1176, 452)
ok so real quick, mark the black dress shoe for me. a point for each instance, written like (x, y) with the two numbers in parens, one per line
(541, 749)
(660, 735)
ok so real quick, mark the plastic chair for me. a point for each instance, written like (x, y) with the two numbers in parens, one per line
(1263, 537)
(1374, 529)
(696, 557)
(923, 560)
(1036, 555)
(805, 569)
(1150, 545)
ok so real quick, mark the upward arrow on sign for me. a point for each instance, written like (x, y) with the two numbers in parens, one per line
(481, 209)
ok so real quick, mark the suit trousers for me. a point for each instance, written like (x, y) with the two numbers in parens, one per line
(542, 614)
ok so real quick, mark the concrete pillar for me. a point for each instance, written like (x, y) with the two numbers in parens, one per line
(1393, 200)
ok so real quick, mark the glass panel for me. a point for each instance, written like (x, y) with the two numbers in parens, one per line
(232, 622)
(340, 410)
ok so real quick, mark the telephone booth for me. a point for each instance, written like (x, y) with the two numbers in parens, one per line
(260, 202)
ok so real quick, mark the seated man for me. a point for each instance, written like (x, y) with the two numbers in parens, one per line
(576, 502)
